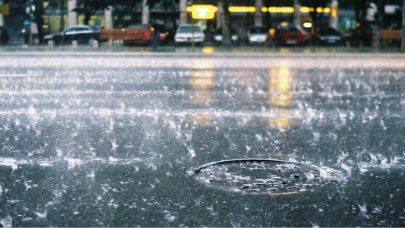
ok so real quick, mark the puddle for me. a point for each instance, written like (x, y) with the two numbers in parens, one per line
(263, 176)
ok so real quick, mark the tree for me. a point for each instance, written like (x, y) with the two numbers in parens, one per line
(226, 23)
(166, 5)
(61, 5)
(37, 11)
(90, 7)
(360, 9)
(124, 8)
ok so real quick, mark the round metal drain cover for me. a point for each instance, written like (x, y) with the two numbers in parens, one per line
(262, 176)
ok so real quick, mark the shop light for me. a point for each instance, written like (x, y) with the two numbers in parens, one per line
(319, 10)
(305, 9)
(307, 25)
(281, 10)
(242, 9)
(202, 11)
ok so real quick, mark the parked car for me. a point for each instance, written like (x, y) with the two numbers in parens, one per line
(184, 35)
(81, 33)
(257, 35)
(138, 34)
(234, 37)
(328, 36)
(288, 35)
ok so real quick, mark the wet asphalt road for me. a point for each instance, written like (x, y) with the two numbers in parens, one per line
(112, 140)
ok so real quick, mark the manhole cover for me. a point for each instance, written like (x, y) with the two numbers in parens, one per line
(263, 176)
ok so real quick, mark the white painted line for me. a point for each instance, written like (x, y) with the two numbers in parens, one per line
(13, 75)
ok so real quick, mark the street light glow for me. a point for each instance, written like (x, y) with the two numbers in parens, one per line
(202, 11)
(242, 9)
(281, 10)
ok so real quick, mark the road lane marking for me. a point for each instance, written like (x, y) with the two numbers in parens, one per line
(13, 75)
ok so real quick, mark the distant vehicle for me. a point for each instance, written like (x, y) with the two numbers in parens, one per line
(164, 33)
(257, 35)
(288, 35)
(140, 34)
(234, 37)
(184, 35)
(328, 36)
(4, 36)
(84, 34)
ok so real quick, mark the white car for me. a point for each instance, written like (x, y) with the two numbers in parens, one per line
(184, 35)
(257, 35)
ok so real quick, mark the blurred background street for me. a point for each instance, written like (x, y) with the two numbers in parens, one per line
(163, 24)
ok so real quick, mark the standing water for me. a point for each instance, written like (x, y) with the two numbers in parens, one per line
(126, 140)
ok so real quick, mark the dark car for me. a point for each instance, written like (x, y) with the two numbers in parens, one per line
(81, 33)
(328, 36)
(218, 37)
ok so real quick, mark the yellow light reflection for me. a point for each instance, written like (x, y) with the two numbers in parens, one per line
(202, 81)
(203, 74)
(283, 193)
(282, 100)
(202, 65)
(264, 9)
(280, 80)
(279, 86)
(201, 98)
(285, 50)
(202, 118)
(208, 50)
(283, 119)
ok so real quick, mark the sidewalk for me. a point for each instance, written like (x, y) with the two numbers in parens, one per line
(187, 50)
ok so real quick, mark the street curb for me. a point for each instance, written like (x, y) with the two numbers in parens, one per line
(245, 52)
(201, 55)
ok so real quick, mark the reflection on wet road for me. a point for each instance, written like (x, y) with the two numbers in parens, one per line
(110, 140)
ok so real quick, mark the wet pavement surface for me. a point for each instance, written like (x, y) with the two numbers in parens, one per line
(129, 140)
